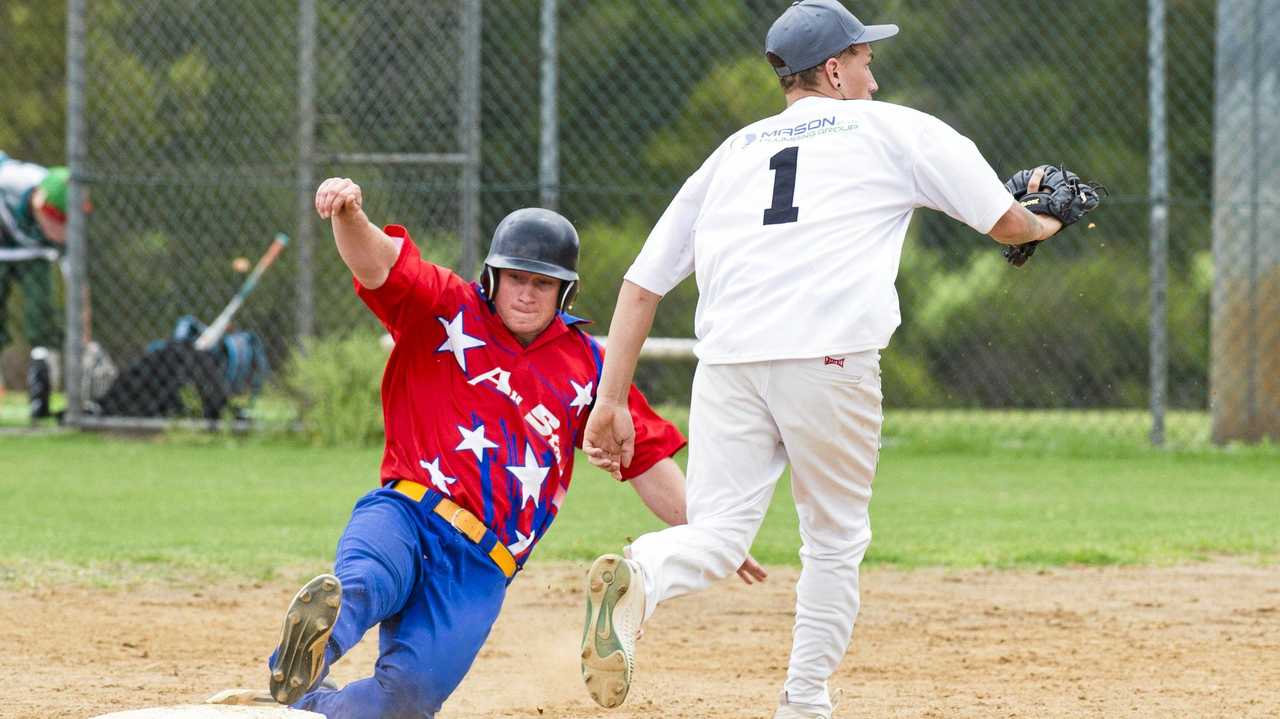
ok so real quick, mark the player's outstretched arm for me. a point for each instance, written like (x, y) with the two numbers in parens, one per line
(367, 251)
(609, 439)
(662, 489)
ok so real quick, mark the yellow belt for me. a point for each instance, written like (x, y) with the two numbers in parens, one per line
(463, 521)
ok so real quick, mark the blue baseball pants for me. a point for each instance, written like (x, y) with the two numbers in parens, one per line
(435, 594)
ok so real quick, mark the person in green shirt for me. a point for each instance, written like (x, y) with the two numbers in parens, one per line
(33, 227)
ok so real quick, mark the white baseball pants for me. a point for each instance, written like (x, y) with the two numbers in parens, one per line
(746, 422)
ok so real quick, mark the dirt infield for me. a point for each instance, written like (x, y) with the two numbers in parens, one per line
(1190, 641)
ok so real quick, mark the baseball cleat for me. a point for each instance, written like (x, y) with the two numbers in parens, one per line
(615, 609)
(306, 628)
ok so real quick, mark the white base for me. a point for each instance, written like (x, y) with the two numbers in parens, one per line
(212, 711)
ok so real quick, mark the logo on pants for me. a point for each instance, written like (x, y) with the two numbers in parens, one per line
(832, 360)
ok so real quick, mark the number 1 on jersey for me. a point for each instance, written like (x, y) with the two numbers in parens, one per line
(784, 188)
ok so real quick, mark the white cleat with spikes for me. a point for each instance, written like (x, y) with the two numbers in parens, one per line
(615, 609)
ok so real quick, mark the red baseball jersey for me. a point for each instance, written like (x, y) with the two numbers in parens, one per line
(489, 423)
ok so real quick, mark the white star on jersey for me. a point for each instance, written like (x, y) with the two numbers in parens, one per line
(458, 341)
(438, 477)
(474, 440)
(531, 476)
(522, 543)
(582, 396)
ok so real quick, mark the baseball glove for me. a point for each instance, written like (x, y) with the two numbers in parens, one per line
(1050, 190)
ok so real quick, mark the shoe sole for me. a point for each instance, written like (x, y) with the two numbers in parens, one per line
(303, 637)
(606, 666)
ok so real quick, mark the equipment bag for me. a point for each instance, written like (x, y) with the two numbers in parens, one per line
(152, 386)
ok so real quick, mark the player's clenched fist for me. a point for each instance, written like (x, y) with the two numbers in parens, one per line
(338, 196)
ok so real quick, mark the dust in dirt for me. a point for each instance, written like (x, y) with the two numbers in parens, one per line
(1200, 640)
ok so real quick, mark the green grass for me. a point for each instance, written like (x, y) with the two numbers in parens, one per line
(1110, 432)
(98, 509)
(164, 507)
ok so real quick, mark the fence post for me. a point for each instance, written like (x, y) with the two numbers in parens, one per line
(549, 139)
(306, 168)
(77, 280)
(1244, 389)
(1159, 177)
(469, 135)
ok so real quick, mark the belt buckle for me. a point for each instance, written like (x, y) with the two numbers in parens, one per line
(453, 518)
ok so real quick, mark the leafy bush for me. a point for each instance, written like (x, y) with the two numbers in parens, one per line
(1060, 336)
(335, 386)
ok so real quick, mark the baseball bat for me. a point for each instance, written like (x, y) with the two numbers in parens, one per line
(214, 331)
(23, 254)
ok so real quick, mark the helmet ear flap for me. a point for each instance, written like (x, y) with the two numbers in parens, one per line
(489, 283)
(568, 293)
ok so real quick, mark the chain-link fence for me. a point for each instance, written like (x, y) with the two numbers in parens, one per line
(207, 126)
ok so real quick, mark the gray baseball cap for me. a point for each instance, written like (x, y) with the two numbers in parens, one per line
(810, 31)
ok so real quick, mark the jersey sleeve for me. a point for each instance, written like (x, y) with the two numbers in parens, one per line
(415, 289)
(656, 438)
(952, 176)
(667, 256)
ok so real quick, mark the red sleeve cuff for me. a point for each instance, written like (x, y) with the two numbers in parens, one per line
(398, 278)
(656, 438)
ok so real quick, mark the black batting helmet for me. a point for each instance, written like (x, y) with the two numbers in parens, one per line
(534, 240)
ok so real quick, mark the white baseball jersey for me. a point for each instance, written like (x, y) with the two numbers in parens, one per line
(795, 226)
(17, 226)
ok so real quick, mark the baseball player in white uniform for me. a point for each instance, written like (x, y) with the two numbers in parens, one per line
(794, 229)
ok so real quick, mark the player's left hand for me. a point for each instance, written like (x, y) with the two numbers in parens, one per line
(751, 570)
(610, 437)
(1055, 193)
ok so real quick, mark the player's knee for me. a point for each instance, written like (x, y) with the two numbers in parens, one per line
(400, 702)
(841, 549)
(409, 694)
(731, 543)
(735, 547)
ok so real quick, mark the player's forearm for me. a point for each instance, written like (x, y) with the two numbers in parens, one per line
(1019, 226)
(661, 488)
(367, 251)
(632, 319)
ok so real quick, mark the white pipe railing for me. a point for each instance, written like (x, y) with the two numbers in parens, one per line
(659, 348)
